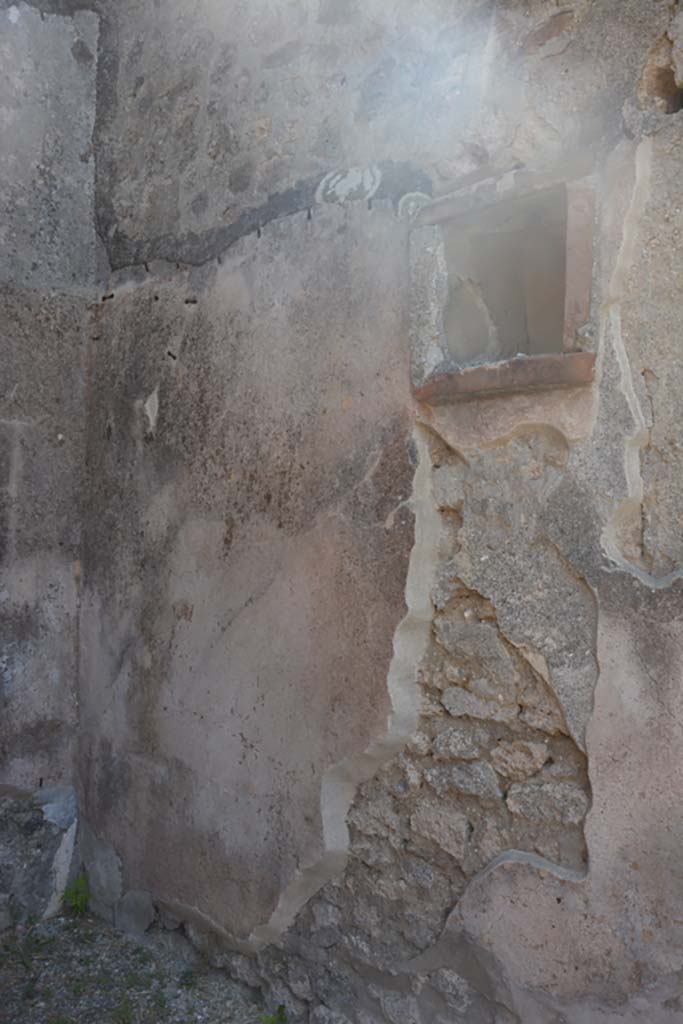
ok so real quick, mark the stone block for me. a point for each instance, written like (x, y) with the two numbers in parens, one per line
(473, 779)
(58, 804)
(519, 759)
(103, 868)
(443, 826)
(135, 912)
(462, 742)
(562, 803)
(459, 702)
(36, 853)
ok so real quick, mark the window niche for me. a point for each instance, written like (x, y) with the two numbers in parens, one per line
(499, 293)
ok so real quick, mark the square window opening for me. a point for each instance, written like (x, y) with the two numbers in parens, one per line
(507, 274)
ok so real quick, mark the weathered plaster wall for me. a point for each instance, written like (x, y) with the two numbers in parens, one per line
(49, 60)
(382, 700)
(210, 124)
(48, 265)
(249, 463)
(41, 425)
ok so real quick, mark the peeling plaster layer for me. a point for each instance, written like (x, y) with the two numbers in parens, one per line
(340, 783)
(528, 936)
(604, 958)
(631, 506)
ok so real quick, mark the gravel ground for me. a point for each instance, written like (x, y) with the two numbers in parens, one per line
(80, 971)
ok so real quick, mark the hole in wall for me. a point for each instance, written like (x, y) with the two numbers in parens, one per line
(658, 86)
(667, 96)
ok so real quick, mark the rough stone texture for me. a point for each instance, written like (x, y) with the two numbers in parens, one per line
(37, 841)
(518, 760)
(47, 181)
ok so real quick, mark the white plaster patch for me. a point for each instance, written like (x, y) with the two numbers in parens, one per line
(411, 203)
(61, 869)
(13, 14)
(151, 408)
(354, 183)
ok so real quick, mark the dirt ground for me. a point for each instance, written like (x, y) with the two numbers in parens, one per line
(80, 971)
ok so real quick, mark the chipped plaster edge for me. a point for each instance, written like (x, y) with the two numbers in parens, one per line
(341, 781)
(611, 325)
(62, 865)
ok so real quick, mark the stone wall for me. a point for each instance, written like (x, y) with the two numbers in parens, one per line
(380, 697)
(49, 266)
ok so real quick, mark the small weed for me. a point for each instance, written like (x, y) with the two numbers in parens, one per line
(279, 1017)
(77, 896)
(79, 988)
(31, 990)
(160, 1005)
(124, 1013)
(60, 1020)
(105, 982)
(143, 955)
(134, 980)
(188, 979)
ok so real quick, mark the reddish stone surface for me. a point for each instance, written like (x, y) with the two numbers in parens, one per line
(523, 373)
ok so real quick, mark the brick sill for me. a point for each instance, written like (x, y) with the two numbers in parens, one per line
(522, 373)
